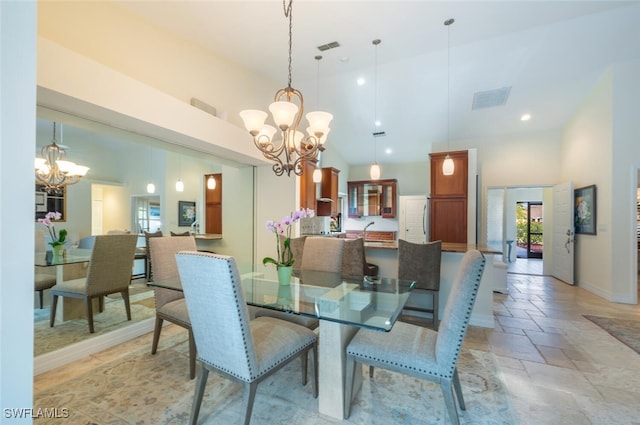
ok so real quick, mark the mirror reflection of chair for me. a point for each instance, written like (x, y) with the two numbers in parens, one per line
(149, 266)
(421, 262)
(109, 272)
(320, 254)
(43, 281)
(228, 342)
(87, 242)
(170, 304)
(420, 352)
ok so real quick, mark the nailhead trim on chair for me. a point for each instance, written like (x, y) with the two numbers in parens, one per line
(253, 373)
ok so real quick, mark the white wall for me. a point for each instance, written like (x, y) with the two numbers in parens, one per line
(17, 140)
(587, 149)
(605, 131)
(626, 157)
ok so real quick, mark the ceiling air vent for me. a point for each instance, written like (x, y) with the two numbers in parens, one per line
(379, 133)
(490, 98)
(328, 46)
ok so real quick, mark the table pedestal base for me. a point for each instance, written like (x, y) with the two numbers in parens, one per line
(334, 339)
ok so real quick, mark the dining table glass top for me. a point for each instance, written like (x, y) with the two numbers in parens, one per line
(70, 256)
(368, 303)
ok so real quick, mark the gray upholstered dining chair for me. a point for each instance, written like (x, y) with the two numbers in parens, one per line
(228, 342)
(421, 262)
(354, 262)
(321, 254)
(420, 352)
(109, 272)
(170, 304)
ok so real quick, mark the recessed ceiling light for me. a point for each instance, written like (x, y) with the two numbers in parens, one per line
(525, 117)
(361, 81)
(378, 123)
(388, 151)
(344, 59)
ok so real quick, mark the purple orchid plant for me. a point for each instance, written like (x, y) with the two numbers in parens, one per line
(283, 227)
(56, 239)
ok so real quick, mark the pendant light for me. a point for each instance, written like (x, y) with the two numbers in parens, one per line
(179, 183)
(151, 188)
(374, 171)
(448, 166)
(211, 182)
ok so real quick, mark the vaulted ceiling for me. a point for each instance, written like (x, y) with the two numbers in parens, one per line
(549, 53)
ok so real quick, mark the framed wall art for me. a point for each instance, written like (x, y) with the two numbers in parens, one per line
(585, 207)
(186, 213)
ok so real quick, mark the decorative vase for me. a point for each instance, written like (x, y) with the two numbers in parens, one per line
(58, 251)
(284, 274)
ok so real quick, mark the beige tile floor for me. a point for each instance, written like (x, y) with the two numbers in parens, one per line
(559, 367)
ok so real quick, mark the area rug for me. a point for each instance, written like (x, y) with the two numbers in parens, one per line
(135, 387)
(624, 330)
(114, 316)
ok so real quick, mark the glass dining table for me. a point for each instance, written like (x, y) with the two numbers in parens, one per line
(342, 307)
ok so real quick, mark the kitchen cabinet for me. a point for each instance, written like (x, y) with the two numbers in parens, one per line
(307, 186)
(372, 198)
(213, 205)
(454, 185)
(328, 190)
(448, 204)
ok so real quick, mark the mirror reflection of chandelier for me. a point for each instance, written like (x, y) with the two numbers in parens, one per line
(53, 171)
(287, 110)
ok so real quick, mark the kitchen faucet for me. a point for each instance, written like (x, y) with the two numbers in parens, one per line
(364, 231)
(195, 227)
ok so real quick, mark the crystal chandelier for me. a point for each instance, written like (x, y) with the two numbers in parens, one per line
(289, 152)
(53, 171)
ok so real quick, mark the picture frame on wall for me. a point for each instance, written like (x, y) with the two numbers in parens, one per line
(186, 213)
(585, 208)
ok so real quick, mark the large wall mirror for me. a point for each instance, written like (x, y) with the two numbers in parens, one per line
(108, 199)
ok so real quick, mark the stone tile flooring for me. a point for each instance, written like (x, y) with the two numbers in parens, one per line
(559, 367)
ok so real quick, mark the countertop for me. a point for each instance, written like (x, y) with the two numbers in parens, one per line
(446, 247)
(208, 236)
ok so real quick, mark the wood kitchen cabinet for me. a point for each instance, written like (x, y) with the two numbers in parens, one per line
(448, 204)
(307, 186)
(213, 205)
(454, 185)
(328, 190)
(372, 198)
(448, 220)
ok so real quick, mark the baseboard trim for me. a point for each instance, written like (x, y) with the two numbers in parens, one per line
(48, 361)
(482, 320)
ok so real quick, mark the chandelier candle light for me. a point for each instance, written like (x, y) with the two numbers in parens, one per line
(287, 109)
(53, 171)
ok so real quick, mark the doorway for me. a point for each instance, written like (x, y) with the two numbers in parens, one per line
(529, 229)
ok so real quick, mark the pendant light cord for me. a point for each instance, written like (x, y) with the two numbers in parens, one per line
(448, 23)
(288, 8)
(375, 42)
